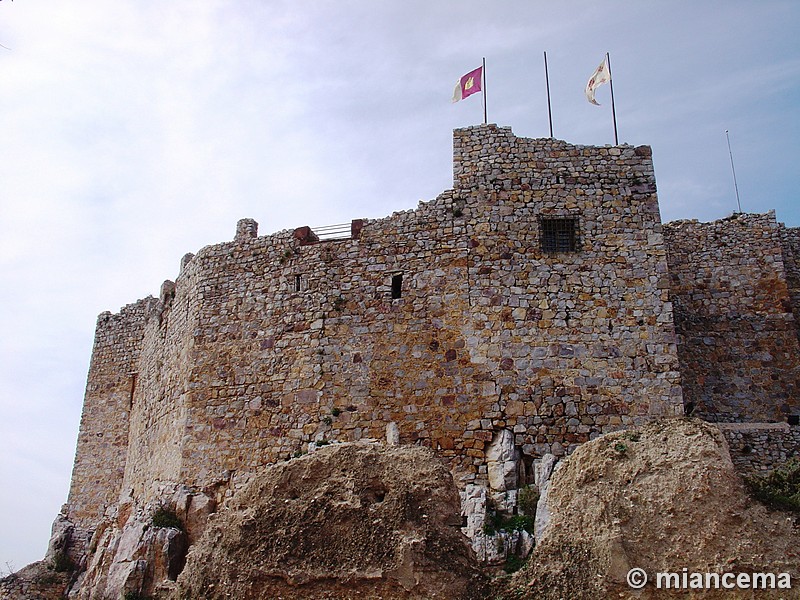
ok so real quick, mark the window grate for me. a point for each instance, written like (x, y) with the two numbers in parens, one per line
(559, 235)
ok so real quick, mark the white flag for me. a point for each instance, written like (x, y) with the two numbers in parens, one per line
(600, 76)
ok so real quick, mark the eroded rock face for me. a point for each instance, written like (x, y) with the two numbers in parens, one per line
(130, 553)
(349, 520)
(137, 559)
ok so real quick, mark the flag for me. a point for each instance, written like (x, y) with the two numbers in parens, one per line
(600, 76)
(468, 84)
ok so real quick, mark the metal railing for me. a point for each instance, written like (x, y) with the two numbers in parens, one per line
(333, 232)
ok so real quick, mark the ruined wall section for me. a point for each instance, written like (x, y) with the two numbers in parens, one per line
(738, 348)
(299, 342)
(103, 437)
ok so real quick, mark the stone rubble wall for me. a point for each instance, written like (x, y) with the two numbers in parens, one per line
(737, 342)
(761, 447)
(266, 344)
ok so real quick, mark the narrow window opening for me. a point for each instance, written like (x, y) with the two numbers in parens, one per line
(559, 235)
(298, 283)
(397, 286)
(133, 389)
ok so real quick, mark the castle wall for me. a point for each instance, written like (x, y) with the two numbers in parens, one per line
(737, 342)
(103, 437)
(760, 447)
(299, 342)
(533, 302)
(790, 248)
(158, 414)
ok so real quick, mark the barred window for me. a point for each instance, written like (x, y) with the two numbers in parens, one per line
(559, 234)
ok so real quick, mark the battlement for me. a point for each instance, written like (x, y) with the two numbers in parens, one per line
(532, 303)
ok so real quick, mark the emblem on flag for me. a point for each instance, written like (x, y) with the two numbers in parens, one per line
(468, 84)
(600, 76)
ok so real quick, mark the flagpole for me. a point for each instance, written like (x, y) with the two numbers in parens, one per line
(547, 81)
(483, 72)
(735, 186)
(613, 108)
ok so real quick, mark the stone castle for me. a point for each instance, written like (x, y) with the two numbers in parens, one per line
(541, 301)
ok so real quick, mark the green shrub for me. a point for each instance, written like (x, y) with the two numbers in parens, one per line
(518, 523)
(496, 522)
(779, 489)
(621, 448)
(527, 499)
(135, 596)
(336, 412)
(633, 436)
(165, 516)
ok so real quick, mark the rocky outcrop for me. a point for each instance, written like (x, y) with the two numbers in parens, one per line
(542, 518)
(142, 549)
(350, 520)
(662, 498)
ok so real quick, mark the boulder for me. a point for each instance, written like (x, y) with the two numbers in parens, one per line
(354, 520)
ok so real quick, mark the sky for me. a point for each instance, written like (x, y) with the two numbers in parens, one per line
(133, 132)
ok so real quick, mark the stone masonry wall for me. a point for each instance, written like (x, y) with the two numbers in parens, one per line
(790, 247)
(454, 322)
(737, 342)
(158, 415)
(489, 332)
(103, 437)
(760, 447)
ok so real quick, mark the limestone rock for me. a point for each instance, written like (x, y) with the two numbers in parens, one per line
(542, 518)
(661, 498)
(136, 558)
(349, 520)
(501, 461)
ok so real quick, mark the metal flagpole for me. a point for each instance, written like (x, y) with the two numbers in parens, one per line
(613, 108)
(547, 81)
(483, 72)
(735, 186)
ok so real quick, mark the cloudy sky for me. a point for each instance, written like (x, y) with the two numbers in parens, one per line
(132, 132)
